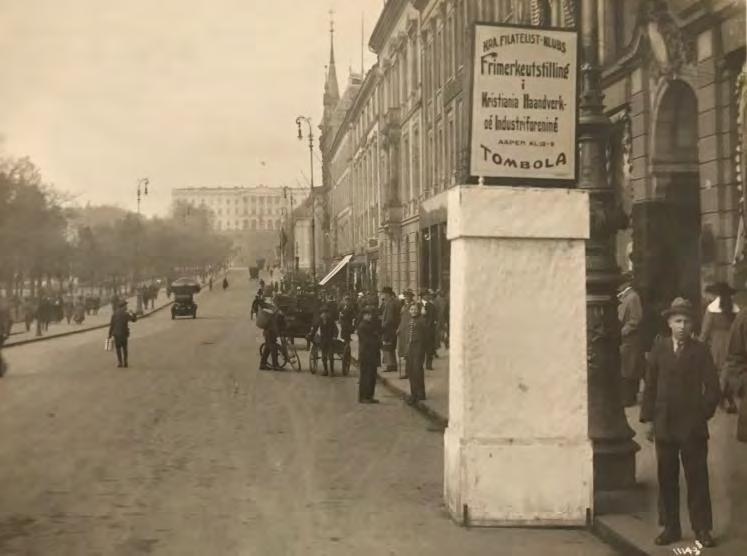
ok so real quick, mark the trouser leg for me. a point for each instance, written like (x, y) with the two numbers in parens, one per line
(265, 354)
(668, 471)
(416, 376)
(363, 382)
(124, 350)
(119, 348)
(695, 463)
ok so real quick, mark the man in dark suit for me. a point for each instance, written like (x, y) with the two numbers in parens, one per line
(369, 344)
(680, 395)
(119, 329)
(430, 317)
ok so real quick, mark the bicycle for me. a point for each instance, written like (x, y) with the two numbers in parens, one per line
(286, 354)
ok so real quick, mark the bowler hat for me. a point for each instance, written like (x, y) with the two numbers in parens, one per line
(123, 303)
(680, 306)
(409, 293)
(387, 289)
(720, 288)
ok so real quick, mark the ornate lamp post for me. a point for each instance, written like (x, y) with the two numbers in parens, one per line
(311, 186)
(142, 191)
(612, 437)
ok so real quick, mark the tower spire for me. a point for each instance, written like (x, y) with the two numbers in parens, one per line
(331, 89)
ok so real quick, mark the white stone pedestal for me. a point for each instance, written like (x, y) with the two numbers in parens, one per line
(517, 450)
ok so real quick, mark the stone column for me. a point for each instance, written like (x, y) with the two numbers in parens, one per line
(517, 449)
(612, 437)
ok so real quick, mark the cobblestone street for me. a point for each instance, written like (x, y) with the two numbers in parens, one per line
(192, 450)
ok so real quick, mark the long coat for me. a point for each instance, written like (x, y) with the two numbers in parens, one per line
(630, 313)
(369, 343)
(119, 324)
(681, 392)
(404, 323)
(715, 334)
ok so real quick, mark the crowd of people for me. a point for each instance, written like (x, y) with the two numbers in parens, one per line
(398, 333)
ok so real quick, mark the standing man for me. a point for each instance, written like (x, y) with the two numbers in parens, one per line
(119, 329)
(327, 333)
(389, 323)
(680, 396)
(416, 335)
(429, 314)
(369, 344)
(632, 362)
(274, 329)
(347, 319)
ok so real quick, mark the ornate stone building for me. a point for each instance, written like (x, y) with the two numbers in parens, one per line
(674, 90)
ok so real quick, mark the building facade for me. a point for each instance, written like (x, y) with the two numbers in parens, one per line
(673, 74)
(251, 216)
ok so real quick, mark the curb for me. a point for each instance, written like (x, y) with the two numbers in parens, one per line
(78, 331)
(608, 535)
(419, 406)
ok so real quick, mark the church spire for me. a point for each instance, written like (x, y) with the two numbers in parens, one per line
(331, 89)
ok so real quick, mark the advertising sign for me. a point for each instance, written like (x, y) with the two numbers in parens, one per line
(524, 105)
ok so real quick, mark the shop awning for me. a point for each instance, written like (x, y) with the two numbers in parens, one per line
(338, 267)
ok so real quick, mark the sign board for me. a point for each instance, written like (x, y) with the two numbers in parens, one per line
(524, 97)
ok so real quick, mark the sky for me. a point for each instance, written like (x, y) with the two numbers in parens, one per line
(100, 93)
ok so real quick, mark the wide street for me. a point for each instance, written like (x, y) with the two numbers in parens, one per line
(192, 450)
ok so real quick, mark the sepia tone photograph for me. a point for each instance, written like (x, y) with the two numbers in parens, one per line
(373, 277)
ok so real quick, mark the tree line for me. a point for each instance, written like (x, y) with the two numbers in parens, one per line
(45, 242)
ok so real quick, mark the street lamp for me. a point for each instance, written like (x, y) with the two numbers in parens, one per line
(142, 191)
(311, 187)
(611, 436)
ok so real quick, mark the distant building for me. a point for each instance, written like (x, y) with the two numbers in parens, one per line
(251, 216)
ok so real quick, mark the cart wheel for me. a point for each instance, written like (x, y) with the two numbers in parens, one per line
(293, 359)
(282, 359)
(313, 359)
(346, 358)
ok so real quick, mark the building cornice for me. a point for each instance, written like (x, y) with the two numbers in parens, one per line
(386, 22)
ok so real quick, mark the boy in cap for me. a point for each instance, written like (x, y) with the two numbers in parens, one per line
(680, 396)
(119, 329)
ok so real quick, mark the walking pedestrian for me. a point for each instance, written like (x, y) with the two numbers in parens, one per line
(29, 310)
(390, 313)
(681, 394)
(225, 282)
(369, 344)
(119, 329)
(210, 284)
(68, 305)
(717, 320)
(632, 361)
(416, 338)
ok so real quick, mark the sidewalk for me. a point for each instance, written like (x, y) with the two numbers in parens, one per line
(19, 335)
(629, 519)
(436, 406)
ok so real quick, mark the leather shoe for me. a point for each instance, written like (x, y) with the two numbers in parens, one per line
(667, 536)
(705, 538)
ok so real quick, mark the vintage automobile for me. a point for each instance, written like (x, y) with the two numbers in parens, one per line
(184, 304)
